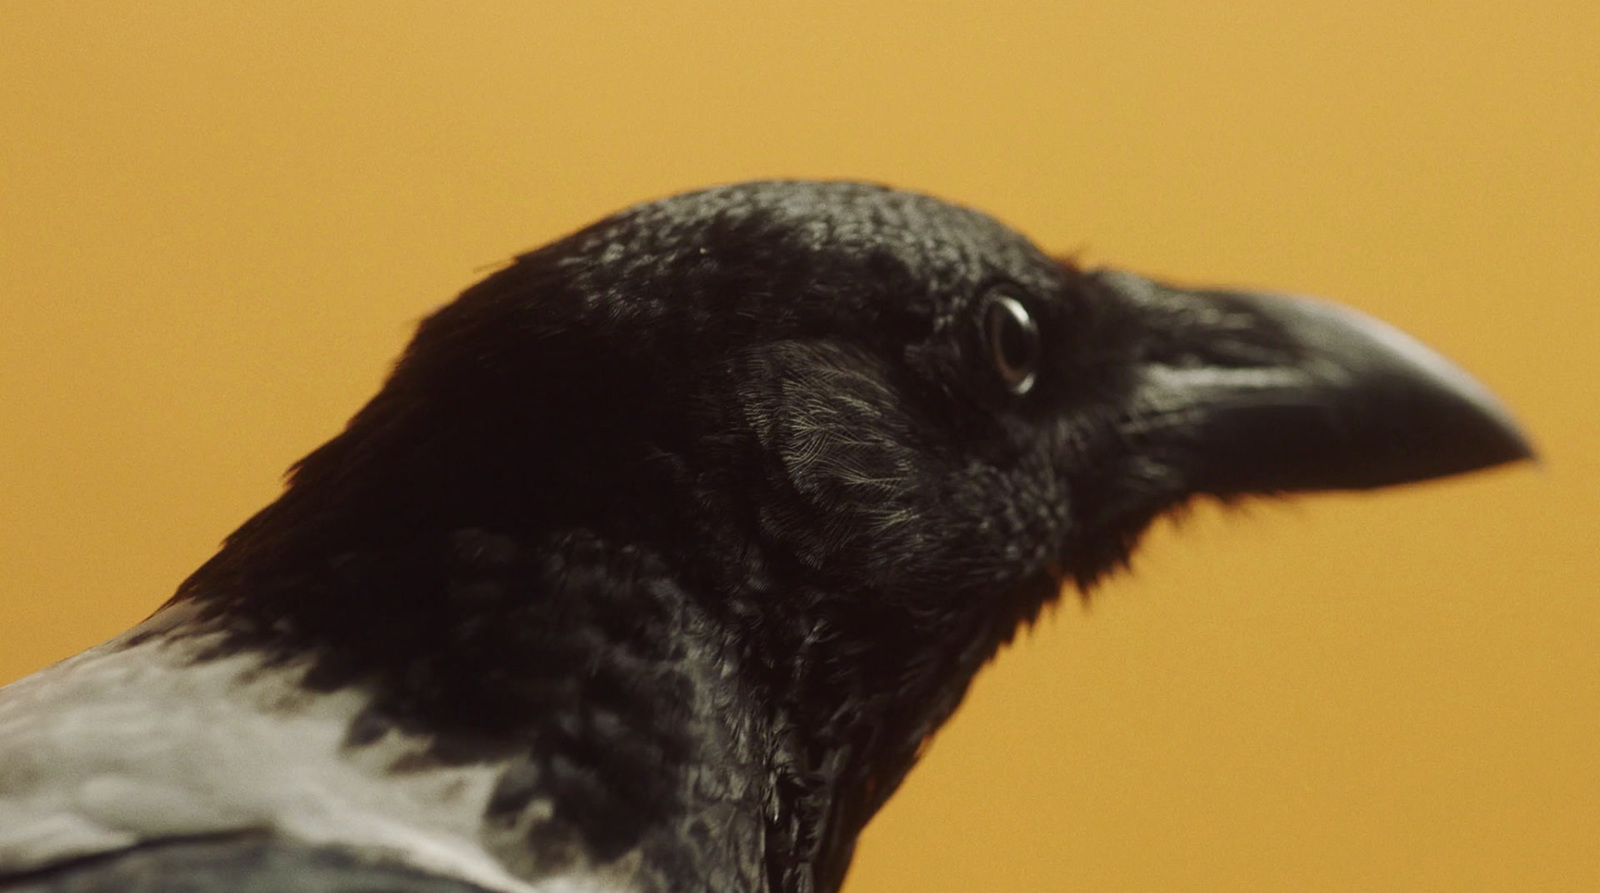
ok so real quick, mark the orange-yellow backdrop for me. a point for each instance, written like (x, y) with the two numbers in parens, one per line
(219, 220)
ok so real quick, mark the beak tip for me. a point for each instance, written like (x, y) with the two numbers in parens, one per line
(1470, 428)
(1481, 443)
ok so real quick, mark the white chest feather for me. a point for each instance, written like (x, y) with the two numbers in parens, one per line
(121, 745)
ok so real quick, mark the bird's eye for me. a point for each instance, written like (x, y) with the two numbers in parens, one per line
(1013, 340)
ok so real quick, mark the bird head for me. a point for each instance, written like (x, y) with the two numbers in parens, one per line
(880, 391)
(867, 433)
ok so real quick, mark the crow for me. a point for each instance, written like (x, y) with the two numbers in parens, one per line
(665, 549)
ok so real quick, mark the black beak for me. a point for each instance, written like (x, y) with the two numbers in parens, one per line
(1255, 393)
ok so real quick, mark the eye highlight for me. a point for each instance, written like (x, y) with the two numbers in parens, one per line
(1013, 341)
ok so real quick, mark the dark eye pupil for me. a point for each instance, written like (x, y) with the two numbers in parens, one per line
(1013, 342)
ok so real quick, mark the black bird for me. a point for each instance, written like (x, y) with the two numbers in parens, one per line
(665, 549)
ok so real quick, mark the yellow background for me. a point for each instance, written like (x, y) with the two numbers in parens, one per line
(219, 220)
